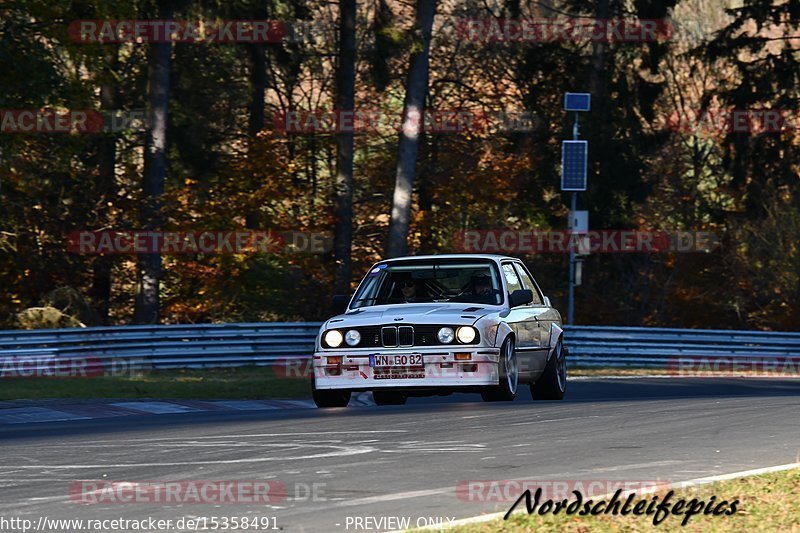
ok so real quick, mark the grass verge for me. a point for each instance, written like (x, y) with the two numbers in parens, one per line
(768, 502)
(252, 383)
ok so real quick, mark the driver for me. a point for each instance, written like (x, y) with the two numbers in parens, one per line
(482, 289)
(412, 291)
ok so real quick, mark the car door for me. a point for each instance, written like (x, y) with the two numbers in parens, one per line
(539, 317)
(522, 320)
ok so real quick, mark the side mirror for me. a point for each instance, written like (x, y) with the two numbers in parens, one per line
(340, 302)
(520, 297)
(547, 302)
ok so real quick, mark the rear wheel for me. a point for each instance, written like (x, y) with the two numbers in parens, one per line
(552, 384)
(329, 398)
(506, 391)
(387, 397)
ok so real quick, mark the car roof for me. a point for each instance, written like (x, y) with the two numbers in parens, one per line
(492, 257)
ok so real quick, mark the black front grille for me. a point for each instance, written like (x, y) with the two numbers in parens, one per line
(405, 336)
(426, 335)
(370, 337)
(399, 336)
(389, 336)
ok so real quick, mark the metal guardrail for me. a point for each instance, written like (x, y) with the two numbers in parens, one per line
(199, 345)
(169, 346)
(612, 346)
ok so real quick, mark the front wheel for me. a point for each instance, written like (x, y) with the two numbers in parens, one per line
(506, 390)
(329, 398)
(552, 384)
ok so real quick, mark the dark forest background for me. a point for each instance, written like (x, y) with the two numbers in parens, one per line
(210, 157)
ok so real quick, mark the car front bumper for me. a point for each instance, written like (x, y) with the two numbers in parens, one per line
(440, 368)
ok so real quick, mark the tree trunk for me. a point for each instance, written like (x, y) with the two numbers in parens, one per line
(413, 113)
(343, 187)
(105, 186)
(255, 123)
(148, 274)
(599, 50)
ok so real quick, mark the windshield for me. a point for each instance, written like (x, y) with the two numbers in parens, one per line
(405, 282)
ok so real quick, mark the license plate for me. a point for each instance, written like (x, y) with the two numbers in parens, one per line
(395, 360)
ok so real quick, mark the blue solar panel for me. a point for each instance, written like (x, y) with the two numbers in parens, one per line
(573, 165)
(577, 101)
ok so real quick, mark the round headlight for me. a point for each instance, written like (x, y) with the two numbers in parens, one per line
(466, 334)
(445, 335)
(333, 338)
(352, 337)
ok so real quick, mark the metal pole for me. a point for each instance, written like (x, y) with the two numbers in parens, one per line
(575, 128)
(573, 208)
(571, 308)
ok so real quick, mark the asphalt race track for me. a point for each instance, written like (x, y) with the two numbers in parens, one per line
(407, 460)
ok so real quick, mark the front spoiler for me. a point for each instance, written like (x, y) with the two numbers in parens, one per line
(440, 370)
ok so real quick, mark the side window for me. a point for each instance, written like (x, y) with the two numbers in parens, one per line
(529, 284)
(511, 278)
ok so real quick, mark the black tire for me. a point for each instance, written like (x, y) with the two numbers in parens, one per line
(329, 398)
(552, 384)
(506, 390)
(388, 397)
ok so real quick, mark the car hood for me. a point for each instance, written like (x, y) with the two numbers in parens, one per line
(457, 314)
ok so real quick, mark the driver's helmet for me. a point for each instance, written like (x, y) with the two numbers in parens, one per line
(481, 280)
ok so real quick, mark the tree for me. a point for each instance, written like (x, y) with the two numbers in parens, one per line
(105, 186)
(148, 272)
(413, 113)
(343, 185)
